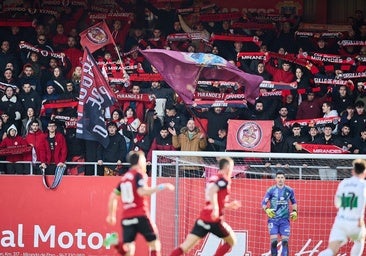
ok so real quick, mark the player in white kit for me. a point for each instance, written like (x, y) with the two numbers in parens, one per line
(350, 200)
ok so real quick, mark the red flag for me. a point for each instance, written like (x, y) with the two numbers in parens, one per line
(249, 135)
(95, 37)
(95, 96)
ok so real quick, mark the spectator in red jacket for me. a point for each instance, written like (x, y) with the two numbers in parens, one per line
(119, 33)
(56, 149)
(36, 139)
(310, 108)
(74, 54)
(59, 40)
(13, 140)
(161, 142)
(282, 74)
(140, 107)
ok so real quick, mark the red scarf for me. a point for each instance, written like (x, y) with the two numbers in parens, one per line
(139, 136)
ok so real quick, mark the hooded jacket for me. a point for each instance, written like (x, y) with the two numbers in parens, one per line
(11, 106)
(14, 141)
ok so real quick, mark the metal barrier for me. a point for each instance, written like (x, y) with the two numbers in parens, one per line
(32, 165)
(298, 171)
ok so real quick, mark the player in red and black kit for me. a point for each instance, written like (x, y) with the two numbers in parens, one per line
(211, 217)
(134, 192)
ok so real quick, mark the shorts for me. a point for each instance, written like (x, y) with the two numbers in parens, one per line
(142, 225)
(279, 227)
(220, 229)
(344, 230)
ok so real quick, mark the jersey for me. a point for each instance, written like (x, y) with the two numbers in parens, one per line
(279, 199)
(350, 199)
(222, 197)
(134, 205)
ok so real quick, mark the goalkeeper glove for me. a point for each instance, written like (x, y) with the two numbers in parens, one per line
(270, 212)
(293, 215)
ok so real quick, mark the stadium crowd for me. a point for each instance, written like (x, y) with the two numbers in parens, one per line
(40, 67)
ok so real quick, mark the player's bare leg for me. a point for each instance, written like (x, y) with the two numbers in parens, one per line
(130, 249)
(186, 246)
(155, 247)
(120, 249)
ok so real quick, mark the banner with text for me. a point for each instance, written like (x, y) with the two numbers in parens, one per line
(71, 221)
(95, 96)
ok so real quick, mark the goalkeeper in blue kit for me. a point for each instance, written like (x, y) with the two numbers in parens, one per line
(276, 204)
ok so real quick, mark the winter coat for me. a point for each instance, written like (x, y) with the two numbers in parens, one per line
(12, 142)
(37, 139)
(60, 153)
(183, 142)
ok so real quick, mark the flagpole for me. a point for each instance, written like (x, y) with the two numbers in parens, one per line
(125, 75)
(191, 111)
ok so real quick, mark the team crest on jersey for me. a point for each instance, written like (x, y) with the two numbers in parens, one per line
(221, 183)
(249, 135)
(97, 35)
(141, 182)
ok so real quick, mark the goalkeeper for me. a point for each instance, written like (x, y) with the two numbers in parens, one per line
(276, 205)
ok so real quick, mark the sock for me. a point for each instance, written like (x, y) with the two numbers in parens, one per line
(274, 247)
(120, 249)
(223, 249)
(177, 252)
(327, 252)
(284, 248)
(155, 253)
(357, 248)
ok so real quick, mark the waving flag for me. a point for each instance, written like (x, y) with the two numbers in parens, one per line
(95, 37)
(182, 70)
(95, 96)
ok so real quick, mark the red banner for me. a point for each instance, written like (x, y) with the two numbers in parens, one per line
(263, 7)
(209, 17)
(278, 85)
(315, 121)
(142, 97)
(331, 58)
(71, 219)
(237, 38)
(111, 16)
(145, 77)
(60, 104)
(323, 149)
(60, 221)
(15, 150)
(248, 135)
(218, 96)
